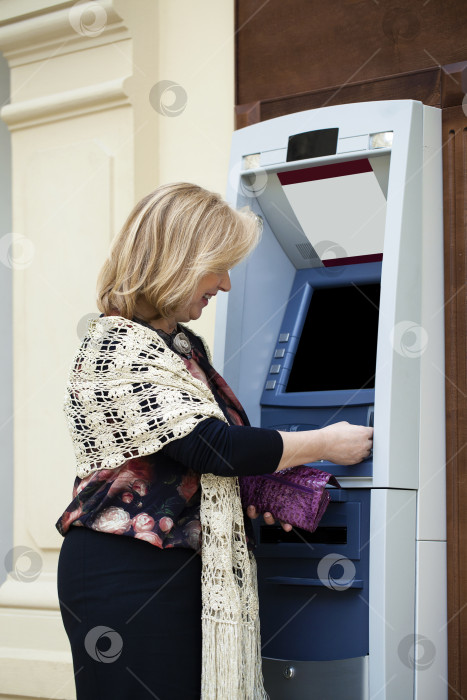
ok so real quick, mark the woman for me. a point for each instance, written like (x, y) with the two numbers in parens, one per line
(156, 431)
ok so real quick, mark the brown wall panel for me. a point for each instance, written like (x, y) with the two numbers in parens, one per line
(285, 47)
(455, 237)
(424, 86)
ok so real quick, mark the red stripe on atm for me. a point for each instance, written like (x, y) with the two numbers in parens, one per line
(334, 262)
(324, 172)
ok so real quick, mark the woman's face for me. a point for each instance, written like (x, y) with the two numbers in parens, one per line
(208, 287)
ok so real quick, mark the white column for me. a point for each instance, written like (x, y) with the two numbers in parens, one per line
(6, 349)
(84, 148)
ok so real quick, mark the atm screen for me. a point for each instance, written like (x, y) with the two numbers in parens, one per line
(337, 347)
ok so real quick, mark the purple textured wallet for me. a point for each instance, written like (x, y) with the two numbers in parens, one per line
(297, 495)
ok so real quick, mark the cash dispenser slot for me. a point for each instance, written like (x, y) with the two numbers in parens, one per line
(275, 534)
(340, 528)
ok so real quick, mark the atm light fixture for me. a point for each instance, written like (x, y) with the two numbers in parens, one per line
(383, 139)
(252, 161)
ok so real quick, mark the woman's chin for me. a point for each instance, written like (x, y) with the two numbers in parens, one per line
(195, 312)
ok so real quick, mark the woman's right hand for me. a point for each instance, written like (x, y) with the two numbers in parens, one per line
(341, 443)
(344, 443)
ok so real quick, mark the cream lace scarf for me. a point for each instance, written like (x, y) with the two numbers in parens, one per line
(128, 395)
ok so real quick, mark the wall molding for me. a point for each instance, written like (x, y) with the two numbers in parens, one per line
(42, 37)
(63, 105)
(40, 594)
(49, 673)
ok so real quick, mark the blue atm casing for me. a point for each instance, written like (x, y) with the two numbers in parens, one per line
(338, 316)
(333, 600)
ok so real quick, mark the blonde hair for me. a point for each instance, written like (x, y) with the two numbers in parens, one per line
(171, 239)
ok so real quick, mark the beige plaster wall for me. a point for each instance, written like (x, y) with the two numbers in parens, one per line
(103, 109)
(198, 53)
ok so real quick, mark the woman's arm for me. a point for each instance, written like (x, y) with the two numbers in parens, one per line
(217, 448)
(341, 443)
(214, 447)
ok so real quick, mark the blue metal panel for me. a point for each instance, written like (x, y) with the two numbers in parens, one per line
(345, 679)
(260, 289)
(297, 419)
(313, 614)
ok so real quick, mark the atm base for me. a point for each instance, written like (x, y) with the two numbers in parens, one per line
(342, 679)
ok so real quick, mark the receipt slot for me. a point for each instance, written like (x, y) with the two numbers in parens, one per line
(338, 315)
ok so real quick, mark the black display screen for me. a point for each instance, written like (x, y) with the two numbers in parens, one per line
(337, 347)
(312, 144)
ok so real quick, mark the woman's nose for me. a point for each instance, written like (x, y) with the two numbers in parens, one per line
(224, 283)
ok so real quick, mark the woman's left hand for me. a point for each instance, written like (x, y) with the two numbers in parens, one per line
(268, 518)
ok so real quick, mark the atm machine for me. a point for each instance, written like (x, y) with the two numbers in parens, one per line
(338, 316)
